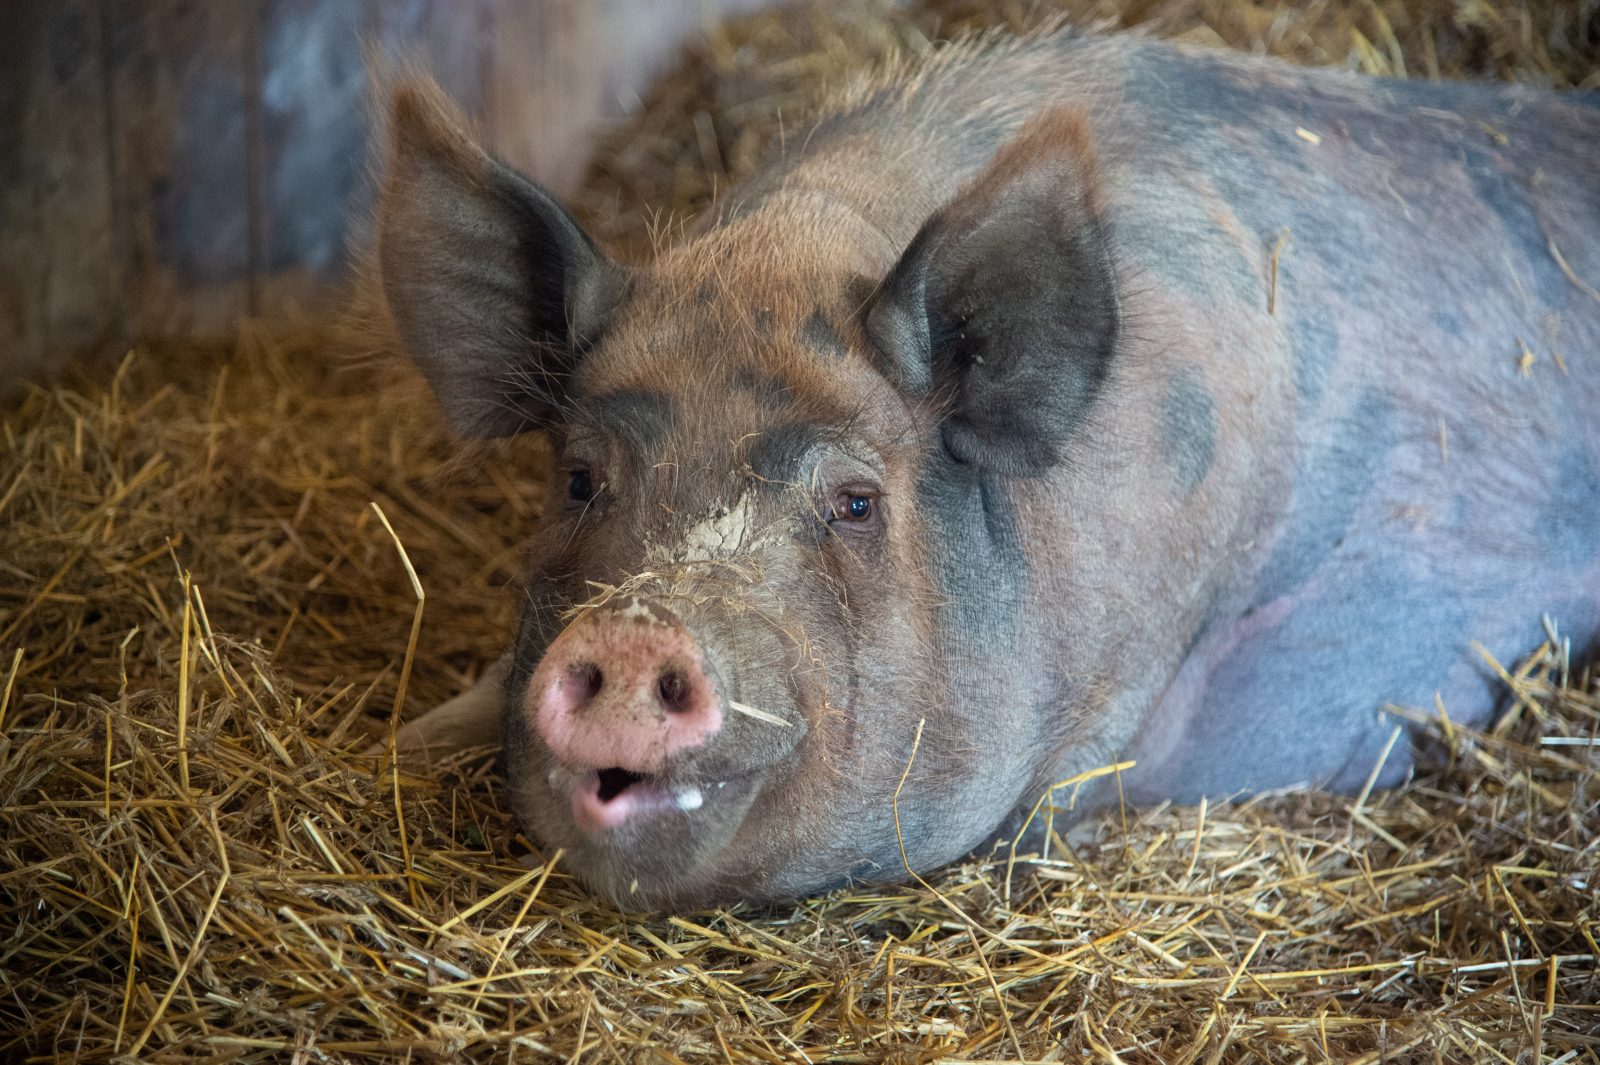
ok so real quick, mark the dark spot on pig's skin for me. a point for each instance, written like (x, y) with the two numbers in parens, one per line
(1199, 86)
(980, 571)
(1211, 119)
(1190, 252)
(1446, 321)
(1507, 200)
(981, 563)
(1322, 228)
(980, 568)
(1569, 522)
(643, 418)
(762, 322)
(1331, 483)
(1314, 346)
(706, 294)
(771, 392)
(818, 334)
(1189, 429)
(775, 455)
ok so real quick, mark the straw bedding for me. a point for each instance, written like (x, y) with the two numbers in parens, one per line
(204, 613)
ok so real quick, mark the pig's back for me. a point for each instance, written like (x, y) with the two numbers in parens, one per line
(1427, 256)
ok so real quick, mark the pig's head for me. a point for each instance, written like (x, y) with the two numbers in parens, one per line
(736, 617)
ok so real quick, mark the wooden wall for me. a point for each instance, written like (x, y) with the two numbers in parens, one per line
(167, 166)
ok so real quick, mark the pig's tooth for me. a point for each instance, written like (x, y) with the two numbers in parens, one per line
(688, 798)
(722, 783)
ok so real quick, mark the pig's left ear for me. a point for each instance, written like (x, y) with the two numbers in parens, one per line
(1006, 302)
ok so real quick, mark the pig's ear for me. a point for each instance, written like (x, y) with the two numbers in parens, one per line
(495, 290)
(1005, 305)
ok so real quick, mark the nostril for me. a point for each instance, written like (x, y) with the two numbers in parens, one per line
(673, 687)
(587, 680)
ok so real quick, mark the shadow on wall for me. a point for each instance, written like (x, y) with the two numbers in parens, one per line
(172, 165)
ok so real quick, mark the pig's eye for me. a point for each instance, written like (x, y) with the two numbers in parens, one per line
(580, 486)
(853, 507)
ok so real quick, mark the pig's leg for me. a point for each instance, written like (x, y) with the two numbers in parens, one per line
(471, 719)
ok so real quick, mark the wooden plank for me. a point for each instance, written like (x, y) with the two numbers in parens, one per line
(445, 39)
(312, 164)
(180, 81)
(544, 91)
(317, 119)
(56, 271)
(561, 70)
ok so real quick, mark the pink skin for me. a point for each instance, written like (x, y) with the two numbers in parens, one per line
(624, 687)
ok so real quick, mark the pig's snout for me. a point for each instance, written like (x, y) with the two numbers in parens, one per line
(624, 689)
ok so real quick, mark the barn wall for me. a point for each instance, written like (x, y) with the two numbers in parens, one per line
(168, 166)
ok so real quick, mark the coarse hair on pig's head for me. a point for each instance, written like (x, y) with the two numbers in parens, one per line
(742, 606)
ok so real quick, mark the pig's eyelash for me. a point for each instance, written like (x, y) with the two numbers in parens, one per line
(578, 522)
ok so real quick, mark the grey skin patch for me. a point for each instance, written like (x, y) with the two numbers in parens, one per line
(643, 418)
(980, 568)
(1198, 88)
(1176, 243)
(1189, 429)
(1313, 346)
(981, 564)
(818, 334)
(1332, 482)
(775, 456)
(1320, 227)
(771, 392)
(1569, 522)
(1446, 321)
(1507, 198)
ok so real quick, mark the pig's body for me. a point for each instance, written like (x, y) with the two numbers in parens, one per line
(1425, 485)
(1220, 404)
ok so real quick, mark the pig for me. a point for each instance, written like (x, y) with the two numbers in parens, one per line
(1056, 402)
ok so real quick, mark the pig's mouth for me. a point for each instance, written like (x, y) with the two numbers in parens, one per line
(615, 781)
(612, 797)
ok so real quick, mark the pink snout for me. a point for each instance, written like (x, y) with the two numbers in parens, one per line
(625, 686)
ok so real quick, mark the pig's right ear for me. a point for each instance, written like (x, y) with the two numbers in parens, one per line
(1004, 309)
(494, 289)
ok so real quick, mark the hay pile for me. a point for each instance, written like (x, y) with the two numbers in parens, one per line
(202, 616)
